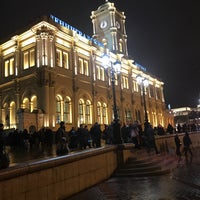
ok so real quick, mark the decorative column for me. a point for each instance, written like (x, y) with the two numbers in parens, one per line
(45, 47)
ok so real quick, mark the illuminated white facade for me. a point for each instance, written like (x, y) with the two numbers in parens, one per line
(52, 72)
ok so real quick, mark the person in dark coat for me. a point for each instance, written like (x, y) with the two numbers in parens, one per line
(95, 132)
(178, 146)
(187, 143)
(149, 133)
(61, 140)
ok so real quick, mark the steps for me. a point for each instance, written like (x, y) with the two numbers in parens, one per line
(142, 164)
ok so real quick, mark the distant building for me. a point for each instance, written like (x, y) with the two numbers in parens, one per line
(187, 115)
(53, 72)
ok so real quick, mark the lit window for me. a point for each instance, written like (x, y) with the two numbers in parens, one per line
(105, 114)
(86, 68)
(62, 59)
(128, 116)
(12, 122)
(99, 112)
(158, 94)
(100, 73)
(58, 58)
(87, 112)
(151, 91)
(67, 110)
(32, 58)
(65, 60)
(6, 68)
(26, 103)
(80, 111)
(9, 67)
(28, 59)
(58, 109)
(83, 67)
(125, 82)
(135, 86)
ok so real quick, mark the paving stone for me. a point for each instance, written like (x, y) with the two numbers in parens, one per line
(183, 183)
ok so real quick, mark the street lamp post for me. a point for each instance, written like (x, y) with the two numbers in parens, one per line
(114, 68)
(144, 83)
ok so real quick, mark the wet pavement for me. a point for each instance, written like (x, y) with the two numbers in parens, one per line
(183, 183)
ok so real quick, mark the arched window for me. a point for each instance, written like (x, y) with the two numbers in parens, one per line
(5, 116)
(58, 109)
(81, 112)
(128, 116)
(25, 104)
(99, 113)
(67, 109)
(105, 113)
(88, 112)
(12, 115)
(33, 103)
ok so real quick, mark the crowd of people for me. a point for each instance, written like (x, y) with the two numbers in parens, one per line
(84, 137)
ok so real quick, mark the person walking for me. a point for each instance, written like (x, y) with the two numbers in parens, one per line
(178, 146)
(149, 133)
(61, 140)
(187, 143)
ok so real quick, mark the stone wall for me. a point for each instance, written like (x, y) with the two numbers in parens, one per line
(58, 177)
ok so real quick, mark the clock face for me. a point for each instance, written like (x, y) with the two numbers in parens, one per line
(103, 24)
(117, 24)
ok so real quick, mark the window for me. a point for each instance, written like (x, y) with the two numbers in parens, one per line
(9, 67)
(151, 91)
(102, 116)
(128, 116)
(83, 67)
(135, 86)
(158, 94)
(87, 112)
(33, 103)
(100, 73)
(99, 112)
(26, 104)
(65, 60)
(32, 58)
(67, 110)
(80, 111)
(12, 122)
(84, 112)
(58, 58)
(62, 59)
(58, 109)
(29, 59)
(105, 114)
(125, 82)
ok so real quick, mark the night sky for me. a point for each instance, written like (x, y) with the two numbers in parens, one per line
(163, 36)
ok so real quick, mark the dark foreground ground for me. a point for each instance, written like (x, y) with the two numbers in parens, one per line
(183, 183)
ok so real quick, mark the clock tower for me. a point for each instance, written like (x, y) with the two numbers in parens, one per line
(109, 28)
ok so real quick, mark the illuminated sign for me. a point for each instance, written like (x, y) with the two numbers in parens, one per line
(66, 25)
(141, 67)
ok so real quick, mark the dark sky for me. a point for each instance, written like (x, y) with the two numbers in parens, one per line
(163, 36)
